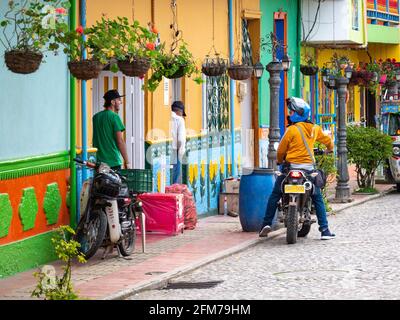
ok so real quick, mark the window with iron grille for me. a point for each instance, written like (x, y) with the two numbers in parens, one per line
(217, 103)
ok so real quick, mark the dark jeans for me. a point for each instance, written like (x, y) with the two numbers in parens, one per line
(176, 167)
(276, 196)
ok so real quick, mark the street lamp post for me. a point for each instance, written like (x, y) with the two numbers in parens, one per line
(275, 67)
(342, 186)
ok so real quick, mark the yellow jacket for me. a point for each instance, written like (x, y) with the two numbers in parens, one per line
(292, 149)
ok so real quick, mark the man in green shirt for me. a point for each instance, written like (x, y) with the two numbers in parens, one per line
(107, 133)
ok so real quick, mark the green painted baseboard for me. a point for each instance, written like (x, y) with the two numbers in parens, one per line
(26, 254)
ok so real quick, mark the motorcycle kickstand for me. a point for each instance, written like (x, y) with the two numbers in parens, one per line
(121, 256)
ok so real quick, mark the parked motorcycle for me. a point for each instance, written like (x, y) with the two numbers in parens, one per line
(296, 206)
(108, 212)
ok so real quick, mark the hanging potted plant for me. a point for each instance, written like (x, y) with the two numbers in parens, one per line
(389, 67)
(309, 67)
(213, 66)
(29, 30)
(133, 46)
(94, 44)
(174, 65)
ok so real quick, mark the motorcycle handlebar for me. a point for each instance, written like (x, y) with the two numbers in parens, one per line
(85, 163)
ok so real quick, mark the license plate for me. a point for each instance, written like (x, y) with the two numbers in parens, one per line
(290, 188)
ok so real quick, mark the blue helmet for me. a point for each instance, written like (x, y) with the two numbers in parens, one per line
(301, 109)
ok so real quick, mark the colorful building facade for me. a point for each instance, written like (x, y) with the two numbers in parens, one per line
(34, 162)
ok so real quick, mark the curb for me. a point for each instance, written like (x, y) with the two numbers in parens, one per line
(162, 280)
(361, 201)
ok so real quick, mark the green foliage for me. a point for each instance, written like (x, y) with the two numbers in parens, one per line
(326, 162)
(367, 149)
(32, 25)
(171, 63)
(308, 60)
(367, 190)
(50, 286)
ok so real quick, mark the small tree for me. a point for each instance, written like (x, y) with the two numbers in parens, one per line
(367, 149)
(49, 285)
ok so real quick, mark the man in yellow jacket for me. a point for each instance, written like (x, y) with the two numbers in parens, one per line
(292, 150)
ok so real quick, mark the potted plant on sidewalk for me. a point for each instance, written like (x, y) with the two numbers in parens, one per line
(367, 149)
(29, 29)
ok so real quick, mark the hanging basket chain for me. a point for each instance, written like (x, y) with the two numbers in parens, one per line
(177, 34)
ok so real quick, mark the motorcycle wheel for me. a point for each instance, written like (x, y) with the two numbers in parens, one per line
(126, 245)
(91, 236)
(305, 229)
(292, 225)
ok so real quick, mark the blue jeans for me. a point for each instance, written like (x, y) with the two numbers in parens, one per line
(176, 168)
(276, 196)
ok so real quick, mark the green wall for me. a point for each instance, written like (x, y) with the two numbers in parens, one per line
(268, 8)
(26, 254)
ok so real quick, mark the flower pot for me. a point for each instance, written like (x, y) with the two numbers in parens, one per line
(177, 74)
(138, 67)
(23, 62)
(308, 70)
(213, 70)
(240, 72)
(85, 69)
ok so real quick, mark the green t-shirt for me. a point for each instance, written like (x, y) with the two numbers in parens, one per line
(105, 124)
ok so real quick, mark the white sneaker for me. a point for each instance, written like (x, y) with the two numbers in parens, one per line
(264, 231)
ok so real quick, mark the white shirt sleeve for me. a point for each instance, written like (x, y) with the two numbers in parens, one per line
(181, 137)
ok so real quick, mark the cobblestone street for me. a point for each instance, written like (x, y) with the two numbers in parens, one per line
(362, 263)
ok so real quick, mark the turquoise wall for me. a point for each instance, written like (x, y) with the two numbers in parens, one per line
(34, 108)
(268, 8)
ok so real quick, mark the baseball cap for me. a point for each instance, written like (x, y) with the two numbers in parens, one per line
(111, 95)
(178, 105)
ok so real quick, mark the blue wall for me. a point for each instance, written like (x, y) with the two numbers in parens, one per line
(34, 108)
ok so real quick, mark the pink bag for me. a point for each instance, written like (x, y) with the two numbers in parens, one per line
(189, 211)
(164, 212)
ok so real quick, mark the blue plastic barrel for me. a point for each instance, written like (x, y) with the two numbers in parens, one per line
(255, 188)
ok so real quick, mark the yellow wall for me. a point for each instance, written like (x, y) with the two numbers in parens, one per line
(195, 19)
(376, 51)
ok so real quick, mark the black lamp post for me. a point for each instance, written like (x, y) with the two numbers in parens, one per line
(275, 67)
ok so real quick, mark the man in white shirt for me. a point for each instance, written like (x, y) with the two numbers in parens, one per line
(178, 133)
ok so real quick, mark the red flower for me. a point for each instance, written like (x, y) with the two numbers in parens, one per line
(393, 60)
(79, 30)
(61, 11)
(150, 46)
(154, 30)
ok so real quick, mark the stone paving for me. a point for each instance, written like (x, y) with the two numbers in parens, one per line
(362, 263)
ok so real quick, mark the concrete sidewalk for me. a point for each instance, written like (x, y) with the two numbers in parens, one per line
(166, 257)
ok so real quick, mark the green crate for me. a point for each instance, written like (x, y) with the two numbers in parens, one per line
(138, 180)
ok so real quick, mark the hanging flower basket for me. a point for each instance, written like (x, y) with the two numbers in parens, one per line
(240, 71)
(85, 69)
(308, 70)
(213, 67)
(138, 67)
(23, 62)
(177, 74)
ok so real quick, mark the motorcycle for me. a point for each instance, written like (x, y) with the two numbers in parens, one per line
(108, 212)
(296, 207)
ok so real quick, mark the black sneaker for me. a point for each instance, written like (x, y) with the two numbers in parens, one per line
(327, 235)
(264, 231)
